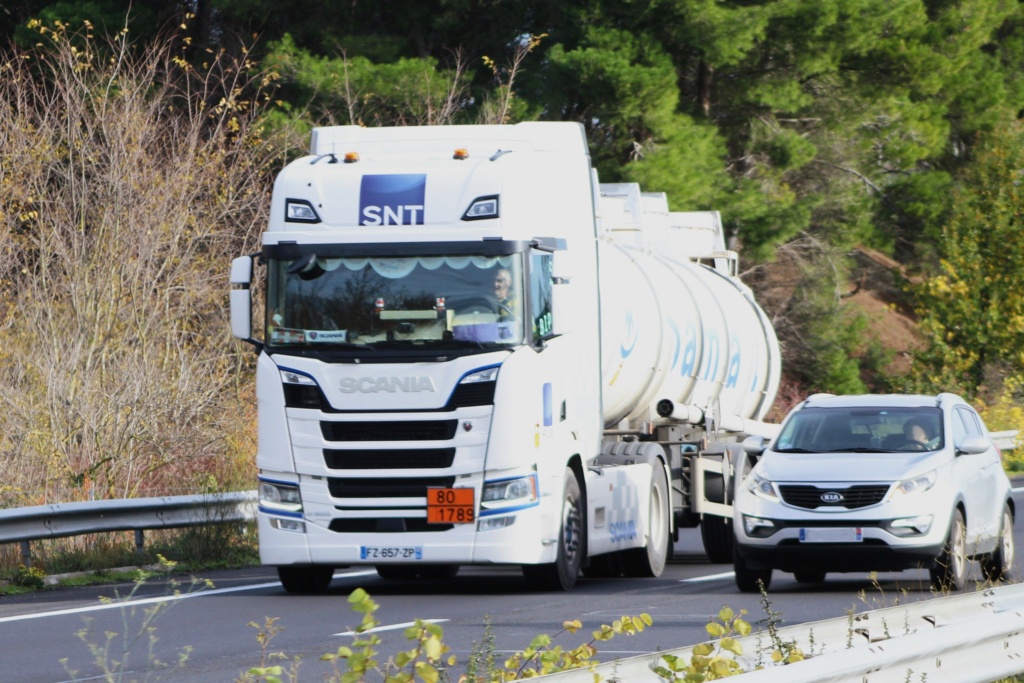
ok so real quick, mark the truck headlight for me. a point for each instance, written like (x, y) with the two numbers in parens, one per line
(502, 494)
(762, 488)
(280, 497)
(485, 375)
(914, 485)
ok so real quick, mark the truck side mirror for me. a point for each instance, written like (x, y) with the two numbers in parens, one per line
(563, 306)
(241, 298)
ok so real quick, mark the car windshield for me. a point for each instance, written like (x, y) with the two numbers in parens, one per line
(390, 302)
(828, 430)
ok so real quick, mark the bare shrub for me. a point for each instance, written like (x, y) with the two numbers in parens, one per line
(128, 180)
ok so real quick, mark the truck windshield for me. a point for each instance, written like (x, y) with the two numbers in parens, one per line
(384, 302)
(862, 429)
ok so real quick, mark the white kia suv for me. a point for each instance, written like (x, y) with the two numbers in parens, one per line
(874, 482)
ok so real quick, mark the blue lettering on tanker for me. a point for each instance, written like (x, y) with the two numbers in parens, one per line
(629, 342)
(734, 362)
(689, 351)
(548, 417)
(623, 531)
(711, 357)
(393, 199)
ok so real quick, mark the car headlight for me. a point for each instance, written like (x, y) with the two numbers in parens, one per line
(506, 493)
(915, 485)
(762, 488)
(280, 497)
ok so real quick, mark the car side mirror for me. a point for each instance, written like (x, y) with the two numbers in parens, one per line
(973, 445)
(754, 445)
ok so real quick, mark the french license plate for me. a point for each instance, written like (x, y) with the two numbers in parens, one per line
(390, 553)
(831, 535)
(450, 506)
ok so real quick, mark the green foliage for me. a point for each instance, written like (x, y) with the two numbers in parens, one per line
(426, 661)
(28, 577)
(971, 310)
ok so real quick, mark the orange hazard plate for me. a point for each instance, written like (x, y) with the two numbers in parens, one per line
(450, 506)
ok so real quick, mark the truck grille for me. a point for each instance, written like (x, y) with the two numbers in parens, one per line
(405, 430)
(811, 497)
(389, 459)
(388, 525)
(406, 487)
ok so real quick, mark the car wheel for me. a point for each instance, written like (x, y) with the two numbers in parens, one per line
(749, 580)
(305, 579)
(809, 577)
(950, 570)
(998, 566)
(561, 574)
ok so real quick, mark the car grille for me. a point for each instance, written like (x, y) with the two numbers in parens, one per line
(811, 497)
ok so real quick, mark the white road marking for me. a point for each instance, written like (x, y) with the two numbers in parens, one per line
(712, 577)
(390, 627)
(121, 604)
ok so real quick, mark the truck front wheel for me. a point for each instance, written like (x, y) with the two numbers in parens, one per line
(650, 560)
(305, 579)
(561, 574)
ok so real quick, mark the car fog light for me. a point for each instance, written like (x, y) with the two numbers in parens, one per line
(757, 527)
(489, 523)
(911, 526)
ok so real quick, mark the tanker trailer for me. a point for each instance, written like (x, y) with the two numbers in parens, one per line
(689, 360)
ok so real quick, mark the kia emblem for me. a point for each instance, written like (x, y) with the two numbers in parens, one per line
(832, 497)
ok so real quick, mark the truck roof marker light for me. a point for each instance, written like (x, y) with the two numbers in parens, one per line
(300, 211)
(461, 153)
(481, 208)
(351, 157)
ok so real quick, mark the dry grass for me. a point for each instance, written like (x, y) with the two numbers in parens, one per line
(128, 180)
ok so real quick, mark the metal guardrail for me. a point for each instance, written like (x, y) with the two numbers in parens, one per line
(969, 638)
(134, 514)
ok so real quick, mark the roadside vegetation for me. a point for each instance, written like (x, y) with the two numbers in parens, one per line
(140, 141)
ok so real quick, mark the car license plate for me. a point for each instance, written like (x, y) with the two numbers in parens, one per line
(831, 535)
(450, 506)
(390, 553)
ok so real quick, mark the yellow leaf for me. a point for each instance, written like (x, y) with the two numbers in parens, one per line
(715, 629)
(732, 645)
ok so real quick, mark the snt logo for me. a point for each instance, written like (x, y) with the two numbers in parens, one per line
(395, 199)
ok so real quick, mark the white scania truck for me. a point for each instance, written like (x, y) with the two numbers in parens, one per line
(475, 354)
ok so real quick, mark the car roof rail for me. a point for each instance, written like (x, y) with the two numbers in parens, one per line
(818, 395)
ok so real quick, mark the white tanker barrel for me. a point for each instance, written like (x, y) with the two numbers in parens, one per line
(682, 332)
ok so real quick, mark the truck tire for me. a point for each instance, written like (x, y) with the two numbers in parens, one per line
(998, 565)
(561, 574)
(950, 570)
(718, 538)
(314, 579)
(650, 560)
(747, 579)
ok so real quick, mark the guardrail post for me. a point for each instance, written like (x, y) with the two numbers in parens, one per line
(139, 540)
(26, 554)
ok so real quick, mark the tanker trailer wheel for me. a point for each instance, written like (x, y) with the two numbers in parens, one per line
(305, 579)
(716, 532)
(650, 560)
(561, 574)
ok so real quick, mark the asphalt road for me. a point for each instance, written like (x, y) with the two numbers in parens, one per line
(79, 634)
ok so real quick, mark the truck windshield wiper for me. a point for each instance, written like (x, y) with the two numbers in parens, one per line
(793, 450)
